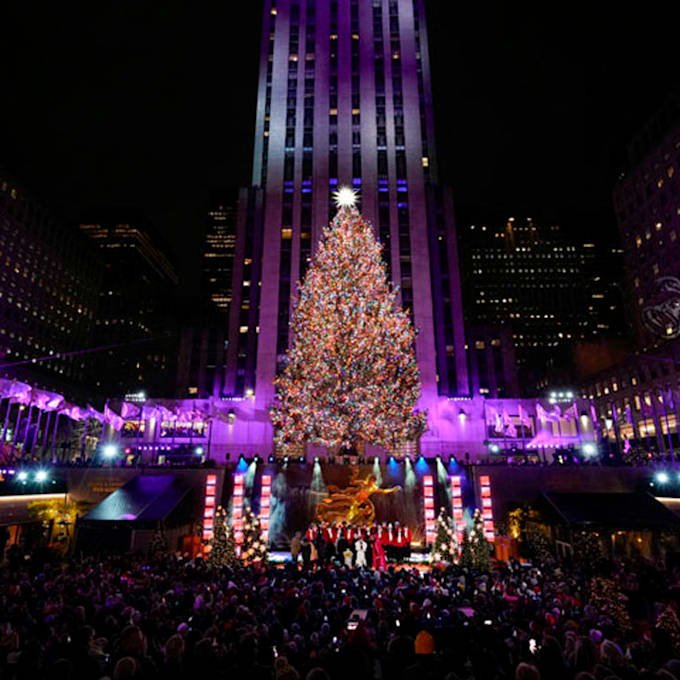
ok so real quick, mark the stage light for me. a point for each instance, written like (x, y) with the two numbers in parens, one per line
(271, 459)
(662, 477)
(249, 392)
(22, 476)
(198, 450)
(41, 476)
(494, 448)
(301, 459)
(376, 459)
(316, 459)
(589, 449)
(462, 415)
(110, 451)
(285, 459)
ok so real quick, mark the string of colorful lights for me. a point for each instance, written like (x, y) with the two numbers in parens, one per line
(351, 375)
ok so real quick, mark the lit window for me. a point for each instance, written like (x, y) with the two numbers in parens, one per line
(425, 161)
(286, 233)
(243, 329)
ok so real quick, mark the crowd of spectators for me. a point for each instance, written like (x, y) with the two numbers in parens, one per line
(139, 618)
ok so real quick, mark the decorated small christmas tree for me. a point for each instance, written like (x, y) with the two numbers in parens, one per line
(444, 546)
(350, 376)
(668, 621)
(223, 547)
(254, 547)
(159, 544)
(477, 543)
(588, 552)
(608, 600)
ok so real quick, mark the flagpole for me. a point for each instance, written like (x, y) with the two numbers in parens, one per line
(6, 424)
(27, 426)
(657, 424)
(82, 438)
(16, 426)
(668, 426)
(37, 429)
(54, 436)
(45, 435)
(615, 423)
(674, 406)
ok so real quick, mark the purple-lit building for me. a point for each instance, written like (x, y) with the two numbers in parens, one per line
(345, 100)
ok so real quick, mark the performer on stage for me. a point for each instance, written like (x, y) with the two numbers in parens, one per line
(360, 547)
(379, 560)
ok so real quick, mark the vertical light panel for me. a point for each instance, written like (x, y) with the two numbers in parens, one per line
(237, 508)
(487, 507)
(265, 506)
(209, 506)
(457, 508)
(428, 504)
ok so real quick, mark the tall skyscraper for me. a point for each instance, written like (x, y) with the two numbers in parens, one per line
(217, 266)
(49, 285)
(529, 278)
(136, 307)
(344, 99)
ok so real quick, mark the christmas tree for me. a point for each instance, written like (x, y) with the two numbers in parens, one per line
(475, 550)
(444, 546)
(223, 547)
(254, 547)
(610, 602)
(588, 553)
(350, 375)
(159, 544)
(668, 621)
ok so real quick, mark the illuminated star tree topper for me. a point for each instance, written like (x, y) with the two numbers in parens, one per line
(345, 197)
(350, 376)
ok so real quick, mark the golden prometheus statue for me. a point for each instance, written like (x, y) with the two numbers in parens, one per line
(352, 504)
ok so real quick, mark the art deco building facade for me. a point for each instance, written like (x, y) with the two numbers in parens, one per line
(344, 99)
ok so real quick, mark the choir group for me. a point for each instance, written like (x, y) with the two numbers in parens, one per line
(359, 546)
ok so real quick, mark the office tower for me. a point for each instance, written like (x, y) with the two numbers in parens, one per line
(136, 311)
(648, 215)
(638, 395)
(217, 262)
(532, 279)
(202, 351)
(344, 99)
(49, 285)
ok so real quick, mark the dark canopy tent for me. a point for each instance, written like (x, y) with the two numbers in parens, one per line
(128, 518)
(623, 511)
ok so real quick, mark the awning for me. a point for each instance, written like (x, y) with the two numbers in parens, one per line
(145, 498)
(634, 511)
(15, 509)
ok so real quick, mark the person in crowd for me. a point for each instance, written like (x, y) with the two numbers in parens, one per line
(295, 547)
(168, 617)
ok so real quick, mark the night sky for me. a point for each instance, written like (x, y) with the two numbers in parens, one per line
(150, 104)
